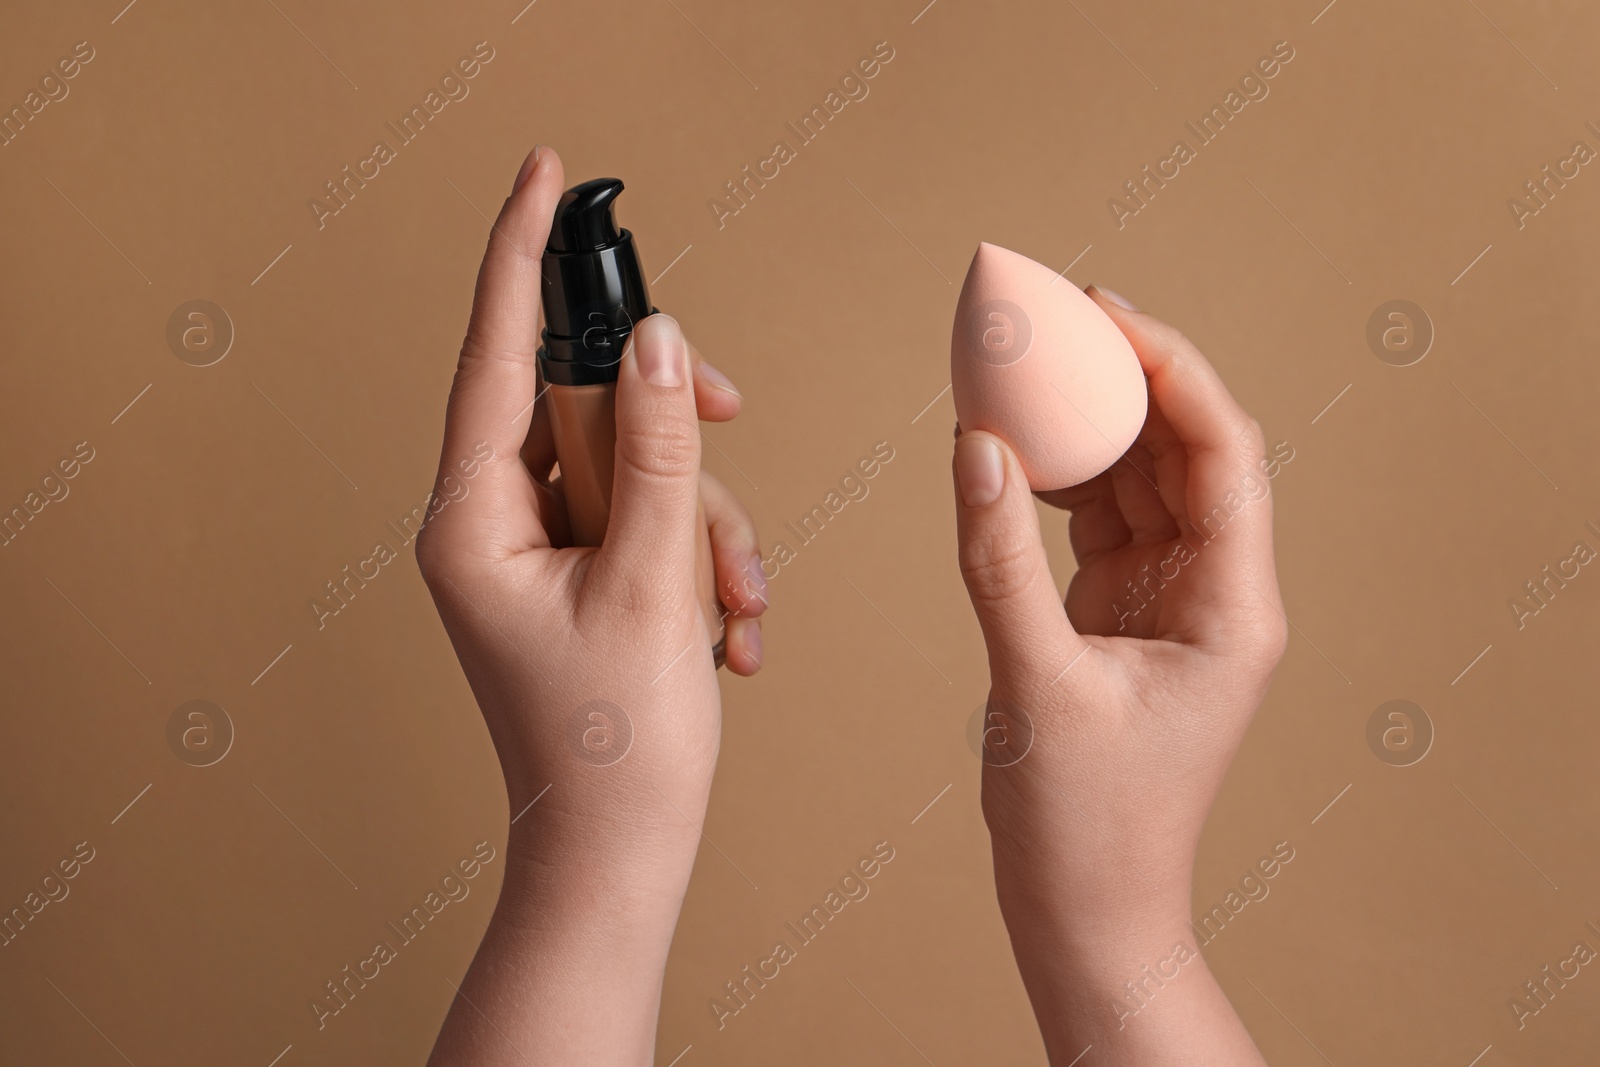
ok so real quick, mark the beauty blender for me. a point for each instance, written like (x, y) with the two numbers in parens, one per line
(1036, 362)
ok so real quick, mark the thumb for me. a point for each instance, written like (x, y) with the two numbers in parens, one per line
(1003, 562)
(650, 538)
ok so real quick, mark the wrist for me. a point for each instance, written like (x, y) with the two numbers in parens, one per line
(1089, 863)
(620, 832)
(1094, 925)
(591, 901)
(1115, 984)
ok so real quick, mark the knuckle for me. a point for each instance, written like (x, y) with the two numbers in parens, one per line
(477, 353)
(630, 596)
(744, 596)
(997, 565)
(449, 552)
(1252, 437)
(432, 558)
(1277, 638)
(500, 244)
(1178, 348)
(662, 443)
(1248, 448)
(1170, 352)
(1264, 638)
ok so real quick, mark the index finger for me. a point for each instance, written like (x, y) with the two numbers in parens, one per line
(496, 381)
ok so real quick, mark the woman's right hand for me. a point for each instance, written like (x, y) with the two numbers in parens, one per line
(1110, 723)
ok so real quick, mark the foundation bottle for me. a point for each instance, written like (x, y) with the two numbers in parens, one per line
(594, 291)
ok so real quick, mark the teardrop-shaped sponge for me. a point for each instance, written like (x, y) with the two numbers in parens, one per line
(1036, 362)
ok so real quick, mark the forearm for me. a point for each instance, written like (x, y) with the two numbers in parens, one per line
(1133, 986)
(570, 968)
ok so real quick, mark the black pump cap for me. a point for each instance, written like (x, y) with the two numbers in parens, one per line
(584, 221)
(592, 285)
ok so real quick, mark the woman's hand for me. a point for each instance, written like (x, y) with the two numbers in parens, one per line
(592, 667)
(1110, 724)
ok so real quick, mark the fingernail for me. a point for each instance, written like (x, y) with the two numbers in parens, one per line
(1115, 297)
(752, 643)
(658, 346)
(719, 380)
(757, 584)
(980, 471)
(528, 166)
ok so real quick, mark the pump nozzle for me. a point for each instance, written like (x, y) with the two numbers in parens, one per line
(584, 221)
(592, 285)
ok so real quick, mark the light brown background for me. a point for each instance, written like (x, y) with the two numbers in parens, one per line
(184, 559)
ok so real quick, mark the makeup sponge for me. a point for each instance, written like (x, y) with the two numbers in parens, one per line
(1036, 362)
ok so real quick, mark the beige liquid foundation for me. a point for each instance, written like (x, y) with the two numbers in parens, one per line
(594, 291)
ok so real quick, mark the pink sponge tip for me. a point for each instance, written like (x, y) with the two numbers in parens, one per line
(1036, 362)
